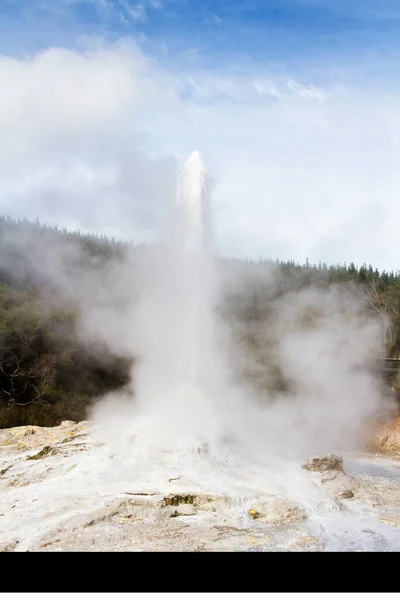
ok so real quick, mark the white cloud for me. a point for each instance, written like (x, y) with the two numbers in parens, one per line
(71, 131)
(305, 91)
(61, 88)
(91, 140)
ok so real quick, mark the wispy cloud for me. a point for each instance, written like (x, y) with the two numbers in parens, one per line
(32, 25)
(305, 91)
(130, 10)
(137, 11)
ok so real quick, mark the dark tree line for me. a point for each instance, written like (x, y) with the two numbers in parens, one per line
(48, 374)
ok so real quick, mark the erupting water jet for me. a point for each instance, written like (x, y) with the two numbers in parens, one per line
(179, 376)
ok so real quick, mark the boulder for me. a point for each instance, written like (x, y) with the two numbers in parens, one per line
(330, 462)
(387, 438)
(345, 493)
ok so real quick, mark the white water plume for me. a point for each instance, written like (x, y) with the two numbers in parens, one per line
(179, 387)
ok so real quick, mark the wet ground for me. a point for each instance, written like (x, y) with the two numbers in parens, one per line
(61, 490)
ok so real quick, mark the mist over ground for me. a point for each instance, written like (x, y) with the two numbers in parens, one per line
(288, 371)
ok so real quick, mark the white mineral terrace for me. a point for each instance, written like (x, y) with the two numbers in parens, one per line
(61, 490)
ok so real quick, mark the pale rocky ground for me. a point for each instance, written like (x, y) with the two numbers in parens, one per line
(60, 490)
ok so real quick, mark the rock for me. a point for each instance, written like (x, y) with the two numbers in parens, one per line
(330, 462)
(338, 485)
(345, 494)
(8, 546)
(277, 511)
(380, 437)
(330, 469)
(387, 438)
(65, 424)
(24, 430)
(34, 438)
(392, 445)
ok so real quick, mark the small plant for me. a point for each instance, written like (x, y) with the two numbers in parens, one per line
(178, 499)
(46, 451)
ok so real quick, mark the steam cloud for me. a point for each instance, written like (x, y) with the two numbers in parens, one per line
(188, 388)
(233, 367)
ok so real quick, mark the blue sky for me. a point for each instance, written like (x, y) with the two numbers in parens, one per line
(293, 103)
(322, 32)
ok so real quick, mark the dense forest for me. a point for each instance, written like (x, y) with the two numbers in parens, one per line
(49, 373)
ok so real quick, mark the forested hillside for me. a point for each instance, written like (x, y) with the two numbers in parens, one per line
(48, 373)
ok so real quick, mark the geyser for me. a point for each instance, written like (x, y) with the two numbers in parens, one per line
(188, 389)
(194, 223)
(178, 382)
(193, 266)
